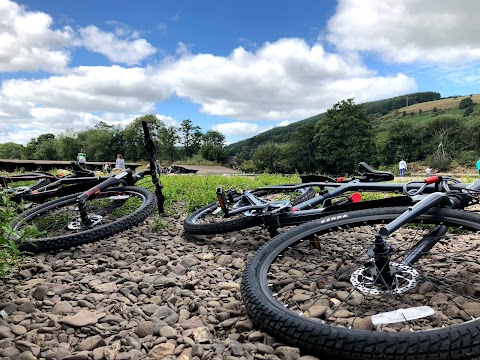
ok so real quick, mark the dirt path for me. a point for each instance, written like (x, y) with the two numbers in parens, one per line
(217, 170)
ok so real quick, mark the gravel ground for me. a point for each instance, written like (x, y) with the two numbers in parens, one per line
(141, 294)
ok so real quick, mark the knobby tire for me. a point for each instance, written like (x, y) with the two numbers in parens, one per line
(296, 284)
(121, 208)
(200, 223)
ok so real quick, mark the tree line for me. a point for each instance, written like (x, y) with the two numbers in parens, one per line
(103, 142)
(333, 142)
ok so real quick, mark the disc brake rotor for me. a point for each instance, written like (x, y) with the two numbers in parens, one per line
(406, 279)
(77, 224)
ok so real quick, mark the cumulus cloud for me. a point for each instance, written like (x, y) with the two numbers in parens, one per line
(42, 120)
(128, 50)
(240, 129)
(286, 79)
(28, 42)
(405, 31)
(92, 88)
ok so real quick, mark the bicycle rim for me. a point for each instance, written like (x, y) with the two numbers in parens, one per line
(211, 219)
(57, 224)
(309, 287)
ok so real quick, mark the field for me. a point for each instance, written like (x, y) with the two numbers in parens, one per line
(442, 104)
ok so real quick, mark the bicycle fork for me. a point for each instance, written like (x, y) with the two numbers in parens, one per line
(382, 271)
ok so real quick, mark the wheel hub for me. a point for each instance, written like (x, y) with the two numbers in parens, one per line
(405, 278)
(77, 224)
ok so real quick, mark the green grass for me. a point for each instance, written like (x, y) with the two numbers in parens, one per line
(195, 191)
(199, 190)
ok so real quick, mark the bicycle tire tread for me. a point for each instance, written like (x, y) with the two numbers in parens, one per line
(235, 224)
(95, 234)
(453, 343)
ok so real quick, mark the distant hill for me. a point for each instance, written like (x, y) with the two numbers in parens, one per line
(442, 104)
(377, 109)
(281, 134)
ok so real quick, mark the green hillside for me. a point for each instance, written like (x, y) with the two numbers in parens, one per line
(376, 109)
(421, 128)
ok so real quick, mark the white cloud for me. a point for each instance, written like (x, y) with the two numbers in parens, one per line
(240, 129)
(53, 120)
(128, 51)
(283, 80)
(405, 31)
(91, 89)
(28, 42)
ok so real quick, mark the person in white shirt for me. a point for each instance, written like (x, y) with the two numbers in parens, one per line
(402, 165)
(82, 159)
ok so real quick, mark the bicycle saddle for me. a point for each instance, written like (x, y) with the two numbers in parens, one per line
(369, 174)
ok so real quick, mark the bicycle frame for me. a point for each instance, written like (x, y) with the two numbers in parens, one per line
(381, 269)
(306, 211)
(126, 178)
(60, 186)
(82, 180)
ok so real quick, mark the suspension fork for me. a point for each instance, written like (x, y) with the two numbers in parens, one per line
(83, 197)
(382, 251)
(458, 201)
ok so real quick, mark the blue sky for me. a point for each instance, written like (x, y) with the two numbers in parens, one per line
(237, 67)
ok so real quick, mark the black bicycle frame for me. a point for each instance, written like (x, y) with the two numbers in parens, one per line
(382, 250)
(306, 210)
(126, 178)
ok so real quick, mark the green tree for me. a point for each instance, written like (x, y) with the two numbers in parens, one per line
(344, 138)
(214, 137)
(465, 103)
(168, 138)
(11, 150)
(42, 148)
(400, 142)
(271, 158)
(213, 146)
(303, 149)
(47, 150)
(191, 137)
(68, 145)
(133, 136)
(468, 111)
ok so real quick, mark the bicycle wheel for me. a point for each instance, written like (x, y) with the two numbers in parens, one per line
(56, 224)
(210, 219)
(17, 188)
(310, 287)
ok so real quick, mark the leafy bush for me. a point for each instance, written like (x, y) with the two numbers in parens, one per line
(465, 103)
(440, 160)
(198, 190)
(9, 239)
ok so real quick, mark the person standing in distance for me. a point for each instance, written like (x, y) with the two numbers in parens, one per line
(402, 165)
(82, 158)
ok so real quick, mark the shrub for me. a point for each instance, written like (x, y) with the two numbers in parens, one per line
(465, 103)
(9, 239)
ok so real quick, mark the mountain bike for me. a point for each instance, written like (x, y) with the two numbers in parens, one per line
(38, 187)
(105, 209)
(378, 283)
(292, 204)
